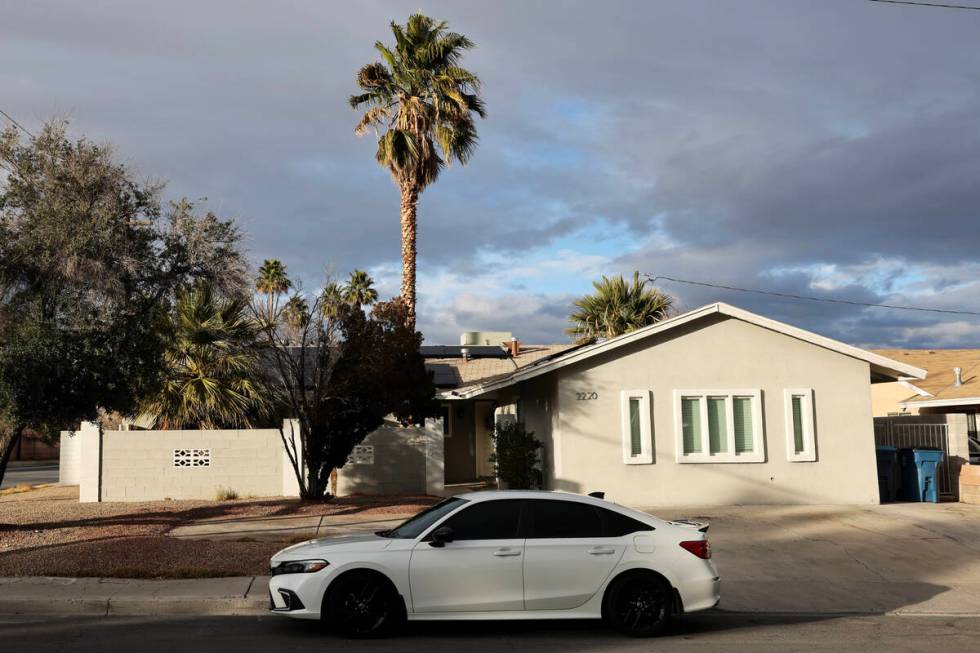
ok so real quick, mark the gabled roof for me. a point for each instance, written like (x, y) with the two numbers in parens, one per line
(881, 366)
(939, 387)
(453, 371)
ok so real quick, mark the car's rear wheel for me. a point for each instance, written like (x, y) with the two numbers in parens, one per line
(638, 604)
(363, 604)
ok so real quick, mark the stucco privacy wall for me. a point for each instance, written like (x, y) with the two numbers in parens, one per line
(396, 460)
(69, 458)
(715, 353)
(155, 465)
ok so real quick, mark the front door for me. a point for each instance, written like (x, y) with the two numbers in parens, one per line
(481, 570)
(566, 556)
(460, 443)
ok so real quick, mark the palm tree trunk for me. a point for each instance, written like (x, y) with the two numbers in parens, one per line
(409, 207)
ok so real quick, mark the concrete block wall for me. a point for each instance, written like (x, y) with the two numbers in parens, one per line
(69, 457)
(404, 460)
(139, 465)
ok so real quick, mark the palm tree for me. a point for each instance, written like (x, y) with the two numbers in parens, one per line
(331, 297)
(211, 375)
(272, 281)
(617, 307)
(359, 289)
(296, 312)
(421, 108)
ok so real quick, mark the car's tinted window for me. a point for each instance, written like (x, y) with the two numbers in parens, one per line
(417, 524)
(564, 519)
(616, 524)
(487, 520)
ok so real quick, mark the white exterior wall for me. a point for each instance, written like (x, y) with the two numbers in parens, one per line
(403, 460)
(139, 465)
(69, 458)
(585, 446)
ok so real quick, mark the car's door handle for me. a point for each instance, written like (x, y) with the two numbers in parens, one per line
(601, 551)
(505, 553)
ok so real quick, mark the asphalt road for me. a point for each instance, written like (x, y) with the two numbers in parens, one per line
(707, 632)
(30, 471)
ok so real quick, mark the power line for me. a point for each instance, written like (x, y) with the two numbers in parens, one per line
(16, 124)
(927, 4)
(828, 300)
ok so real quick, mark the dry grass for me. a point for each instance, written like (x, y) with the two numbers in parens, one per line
(47, 532)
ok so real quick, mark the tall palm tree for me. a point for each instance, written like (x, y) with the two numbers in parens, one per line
(272, 281)
(359, 289)
(211, 372)
(296, 312)
(617, 307)
(421, 106)
(331, 297)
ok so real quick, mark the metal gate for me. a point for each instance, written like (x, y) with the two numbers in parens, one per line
(896, 432)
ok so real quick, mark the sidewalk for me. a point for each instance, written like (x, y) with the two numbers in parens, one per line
(286, 527)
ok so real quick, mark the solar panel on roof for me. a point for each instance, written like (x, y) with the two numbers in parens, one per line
(443, 375)
(456, 351)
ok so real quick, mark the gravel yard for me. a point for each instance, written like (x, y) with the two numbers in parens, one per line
(46, 532)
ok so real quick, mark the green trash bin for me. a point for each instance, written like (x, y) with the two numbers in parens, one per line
(888, 472)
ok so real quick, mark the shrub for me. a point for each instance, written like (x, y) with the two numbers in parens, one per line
(226, 494)
(516, 456)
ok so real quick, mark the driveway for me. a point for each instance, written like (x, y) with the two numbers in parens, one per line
(904, 558)
(32, 472)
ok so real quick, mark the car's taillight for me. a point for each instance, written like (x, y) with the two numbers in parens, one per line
(700, 548)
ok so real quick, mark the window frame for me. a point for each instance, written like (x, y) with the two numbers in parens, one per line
(809, 453)
(645, 456)
(758, 453)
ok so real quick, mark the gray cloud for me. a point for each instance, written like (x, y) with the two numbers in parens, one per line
(766, 144)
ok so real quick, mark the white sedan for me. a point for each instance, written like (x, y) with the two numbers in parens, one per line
(502, 555)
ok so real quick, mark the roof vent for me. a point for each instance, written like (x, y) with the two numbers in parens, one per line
(465, 353)
(958, 380)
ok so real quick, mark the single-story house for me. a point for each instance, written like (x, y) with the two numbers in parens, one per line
(952, 384)
(714, 406)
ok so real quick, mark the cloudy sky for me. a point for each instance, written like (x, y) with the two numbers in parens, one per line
(825, 148)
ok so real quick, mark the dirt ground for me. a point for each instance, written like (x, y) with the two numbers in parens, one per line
(47, 532)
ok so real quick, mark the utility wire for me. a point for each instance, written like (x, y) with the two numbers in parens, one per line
(927, 4)
(828, 300)
(16, 124)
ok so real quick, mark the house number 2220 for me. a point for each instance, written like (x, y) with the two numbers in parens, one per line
(586, 396)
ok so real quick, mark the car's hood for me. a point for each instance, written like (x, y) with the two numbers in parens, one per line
(324, 545)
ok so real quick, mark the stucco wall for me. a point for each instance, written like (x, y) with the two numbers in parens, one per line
(716, 353)
(69, 458)
(396, 460)
(139, 465)
(885, 399)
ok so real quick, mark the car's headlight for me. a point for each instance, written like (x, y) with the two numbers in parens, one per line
(298, 567)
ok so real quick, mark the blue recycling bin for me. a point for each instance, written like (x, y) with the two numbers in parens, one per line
(888, 473)
(919, 474)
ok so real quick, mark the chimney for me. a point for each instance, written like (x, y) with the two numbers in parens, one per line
(513, 346)
(958, 380)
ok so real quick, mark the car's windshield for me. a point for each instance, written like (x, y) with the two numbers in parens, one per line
(420, 522)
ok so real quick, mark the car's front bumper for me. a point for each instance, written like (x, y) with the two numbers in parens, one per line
(297, 595)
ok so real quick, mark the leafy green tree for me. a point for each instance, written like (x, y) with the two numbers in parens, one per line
(212, 376)
(272, 281)
(90, 265)
(617, 307)
(359, 289)
(345, 373)
(421, 104)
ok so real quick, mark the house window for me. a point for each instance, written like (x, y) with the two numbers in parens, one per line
(801, 444)
(637, 427)
(718, 426)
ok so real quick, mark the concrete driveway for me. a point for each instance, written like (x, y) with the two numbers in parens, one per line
(911, 558)
(32, 472)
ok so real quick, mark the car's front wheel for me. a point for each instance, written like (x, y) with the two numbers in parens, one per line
(638, 604)
(363, 604)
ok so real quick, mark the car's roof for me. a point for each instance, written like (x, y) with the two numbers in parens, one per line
(488, 495)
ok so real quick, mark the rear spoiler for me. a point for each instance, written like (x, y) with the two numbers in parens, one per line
(701, 527)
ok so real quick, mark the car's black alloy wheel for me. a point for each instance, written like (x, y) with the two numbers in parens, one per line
(638, 605)
(363, 605)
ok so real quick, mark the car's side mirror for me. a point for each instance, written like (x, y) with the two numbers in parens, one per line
(441, 536)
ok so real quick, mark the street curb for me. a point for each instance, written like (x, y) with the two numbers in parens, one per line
(135, 607)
